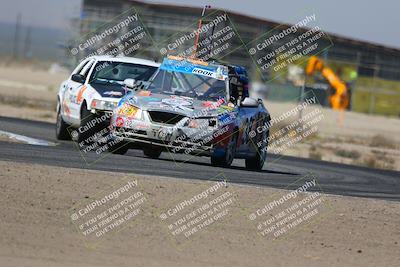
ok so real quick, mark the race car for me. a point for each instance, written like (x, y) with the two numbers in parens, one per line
(197, 108)
(85, 101)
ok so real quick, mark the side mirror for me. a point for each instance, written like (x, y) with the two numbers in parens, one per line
(130, 83)
(79, 78)
(249, 102)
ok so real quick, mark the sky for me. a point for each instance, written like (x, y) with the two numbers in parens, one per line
(374, 21)
(43, 13)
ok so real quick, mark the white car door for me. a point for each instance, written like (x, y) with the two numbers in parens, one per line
(67, 99)
(76, 91)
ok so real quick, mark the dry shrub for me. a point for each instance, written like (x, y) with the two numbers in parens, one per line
(351, 154)
(382, 141)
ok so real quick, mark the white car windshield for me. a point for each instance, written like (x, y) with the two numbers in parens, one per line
(190, 85)
(119, 71)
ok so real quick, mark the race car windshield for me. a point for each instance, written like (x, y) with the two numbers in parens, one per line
(188, 84)
(119, 71)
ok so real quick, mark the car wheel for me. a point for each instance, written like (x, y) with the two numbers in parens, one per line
(152, 152)
(89, 130)
(227, 159)
(256, 163)
(61, 127)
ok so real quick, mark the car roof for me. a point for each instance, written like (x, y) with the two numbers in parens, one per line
(133, 60)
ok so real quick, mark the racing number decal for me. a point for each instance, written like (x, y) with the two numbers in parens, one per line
(119, 122)
(128, 110)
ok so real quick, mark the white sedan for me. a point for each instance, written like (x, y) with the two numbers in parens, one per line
(86, 100)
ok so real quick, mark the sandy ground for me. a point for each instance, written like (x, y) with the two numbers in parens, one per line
(36, 230)
(355, 125)
(36, 114)
(29, 93)
(360, 139)
(31, 77)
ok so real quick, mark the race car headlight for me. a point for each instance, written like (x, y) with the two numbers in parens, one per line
(202, 123)
(130, 111)
(103, 104)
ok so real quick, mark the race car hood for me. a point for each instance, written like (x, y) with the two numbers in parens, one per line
(113, 90)
(186, 106)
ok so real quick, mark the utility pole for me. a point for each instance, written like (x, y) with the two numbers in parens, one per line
(16, 36)
(27, 45)
(371, 108)
(301, 99)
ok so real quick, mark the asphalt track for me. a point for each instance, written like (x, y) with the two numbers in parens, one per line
(278, 172)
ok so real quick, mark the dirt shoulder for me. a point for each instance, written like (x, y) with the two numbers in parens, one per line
(346, 137)
(29, 92)
(29, 113)
(36, 228)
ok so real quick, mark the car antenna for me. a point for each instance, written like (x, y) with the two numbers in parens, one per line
(196, 41)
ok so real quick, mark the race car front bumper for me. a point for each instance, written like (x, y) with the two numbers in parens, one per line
(171, 138)
(156, 137)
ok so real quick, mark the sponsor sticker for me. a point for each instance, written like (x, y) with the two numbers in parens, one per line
(204, 72)
(113, 93)
(119, 122)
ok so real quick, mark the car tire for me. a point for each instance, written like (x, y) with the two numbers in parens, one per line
(227, 159)
(256, 163)
(152, 152)
(86, 117)
(61, 127)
